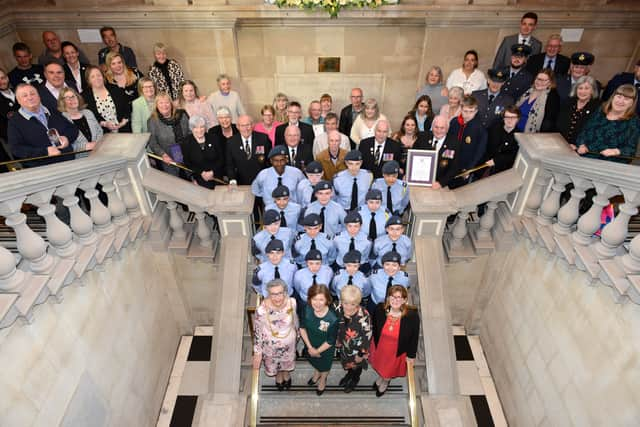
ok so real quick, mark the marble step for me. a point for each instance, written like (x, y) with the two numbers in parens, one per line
(8, 312)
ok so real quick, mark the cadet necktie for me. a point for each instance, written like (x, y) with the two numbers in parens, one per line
(322, 219)
(354, 194)
(313, 196)
(276, 273)
(313, 245)
(283, 220)
(273, 237)
(314, 280)
(393, 247)
(389, 282)
(352, 245)
(378, 148)
(350, 281)
(389, 200)
(279, 181)
(373, 232)
(491, 98)
(247, 149)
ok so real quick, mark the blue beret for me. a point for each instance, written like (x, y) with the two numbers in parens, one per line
(582, 58)
(352, 257)
(394, 220)
(391, 167)
(275, 245)
(520, 49)
(353, 155)
(353, 217)
(278, 150)
(497, 75)
(271, 216)
(322, 185)
(280, 191)
(313, 255)
(311, 220)
(391, 256)
(313, 167)
(374, 194)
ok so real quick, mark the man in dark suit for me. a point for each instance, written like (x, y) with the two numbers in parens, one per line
(350, 112)
(448, 149)
(246, 153)
(54, 82)
(621, 79)
(491, 101)
(528, 23)
(518, 78)
(294, 112)
(299, 155)
(550, 58)
(379, 149)
(580, 66)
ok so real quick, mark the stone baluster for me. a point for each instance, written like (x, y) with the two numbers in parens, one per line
(128, 197)
(202, 230)
(10, 277)
(100, 215)
(459, 231)
(537, 193)
(175, 221)
(59, 234)
(589, 223)
(631, 260)
(614, 234)
(570, 211)
(487, 221)
(551, 204)
(31, 246)
(81, 223)
(116, 208)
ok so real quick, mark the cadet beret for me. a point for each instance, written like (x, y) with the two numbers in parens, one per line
(582, 58)
(313, 167)
(311, 220)
(497, 75)
(322, 185)
(373, 194)
(520, 49)
(352, 257)
(394, 220)
(313, 255)
(391, 256)
(353, 217)
(271, 216)
(278, 150)
(353, 155)
(275, 245)
(390, 168)
(280, 191)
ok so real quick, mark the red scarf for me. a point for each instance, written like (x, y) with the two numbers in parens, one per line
(463, 125)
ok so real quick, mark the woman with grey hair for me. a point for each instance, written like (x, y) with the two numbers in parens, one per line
(202, 154)
(275, 328)
(583, 102)
(166, 73)
(453, 107)
(434, 88)
(224, 130)
(225, 97)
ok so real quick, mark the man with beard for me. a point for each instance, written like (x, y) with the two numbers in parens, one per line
(518, 78)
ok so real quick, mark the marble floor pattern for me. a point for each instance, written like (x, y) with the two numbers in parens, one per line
(190, 377)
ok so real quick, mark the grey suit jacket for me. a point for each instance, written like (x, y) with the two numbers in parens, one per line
(503, 55)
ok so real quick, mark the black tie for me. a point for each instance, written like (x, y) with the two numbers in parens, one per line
(393, 247)
(373, 232)
(313, 196)
(273, 237)
(378, 147)
(279, 181)
(354, 194)
(322, 219)
(389, 282)
(513, 73)
(491, 98)
(283, 220)
(293, 156)
(276, 273)
(389, 200)
(352, 245)
(549, 63)
(247, 149)
(313, 245)
(350, 281)
(314, 280)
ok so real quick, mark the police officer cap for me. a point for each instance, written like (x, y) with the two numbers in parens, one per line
(322, 185)
(390, 168)
(311, 220)
(582, 58)
(520, 49)
(271, 216)
(280, 191)
(275, 245)
(374, 194)
(354, 155)
(278, 150)
(353, 217)
(497, 75)
(352, 257)
(391, 256)
(394, 220)
(314, 167)
(313, 255)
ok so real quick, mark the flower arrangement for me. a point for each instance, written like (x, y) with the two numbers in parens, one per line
(331, 6)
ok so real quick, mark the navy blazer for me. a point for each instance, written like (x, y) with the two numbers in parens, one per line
(490, 114)
(306, 133)
(392, 151)
(535, 63)
(47, 99)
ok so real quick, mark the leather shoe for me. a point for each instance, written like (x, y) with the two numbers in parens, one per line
(312, 381)
(345, 379)
(351, 385)
(374, 386)
(381, 393)
(287, 384)
(319, 392)
(280, 385)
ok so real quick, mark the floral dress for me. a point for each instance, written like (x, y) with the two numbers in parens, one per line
(354, 336)
(276, 332)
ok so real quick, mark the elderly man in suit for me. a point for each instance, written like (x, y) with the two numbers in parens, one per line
(246, 153)
(528, 23)
(581, 63)
(621, 79)
(550, 58)
(379, 149)
(299, 155)
(294, 112)
(350, 112)
(492, 101)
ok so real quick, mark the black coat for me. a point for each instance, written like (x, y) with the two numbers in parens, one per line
(220, 140)
(489, 114)
(244, 170)
(535, 63)
(346, 122)
(7, 109)
(517, 85)
(204, 158)
(409, 330)
(306, 134)
(304, 156)
(48, 100)
(120, 99)
(502, 147)
(68, 76)
(564, 125)
(448, 160)
(392, 151)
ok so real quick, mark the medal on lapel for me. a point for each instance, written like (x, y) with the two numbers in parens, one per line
(467, 140)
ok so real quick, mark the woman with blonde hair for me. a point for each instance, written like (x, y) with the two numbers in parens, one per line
(434, 88)
(280, 104)
(365, 124)
(169, 128)
(118, 74)
(166, 73)
(73, 107)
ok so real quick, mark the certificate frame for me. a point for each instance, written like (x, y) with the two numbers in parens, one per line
(417, 161)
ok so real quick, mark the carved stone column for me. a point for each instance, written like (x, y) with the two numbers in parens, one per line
(589, 223)
(128, 197)
(570, 212)
(202, 230)
(10, 277)
(487, 221)
(631, 260)
(100, 215)
(58, 233)
(459, 231)
(614, 234)
(31, 246)
(551, 204)
(117, 209)
(537, 193)
(175, 221)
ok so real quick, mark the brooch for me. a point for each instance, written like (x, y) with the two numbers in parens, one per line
(467, 140)
(324, 326)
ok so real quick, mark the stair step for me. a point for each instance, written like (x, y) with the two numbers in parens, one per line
(333, 421)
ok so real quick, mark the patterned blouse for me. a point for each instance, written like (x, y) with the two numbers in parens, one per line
(354, 336)
(107, 108)
(599, 133)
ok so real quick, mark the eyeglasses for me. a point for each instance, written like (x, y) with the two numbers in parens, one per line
(396, 297)
(68, 98)
(538, 79)
(276, 294)
(510, 117)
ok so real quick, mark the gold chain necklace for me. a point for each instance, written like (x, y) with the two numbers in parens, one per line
(275, 334)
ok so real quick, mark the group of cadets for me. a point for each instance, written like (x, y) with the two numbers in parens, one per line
(348, 231)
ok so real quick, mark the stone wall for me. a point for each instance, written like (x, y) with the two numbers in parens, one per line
(561, 352)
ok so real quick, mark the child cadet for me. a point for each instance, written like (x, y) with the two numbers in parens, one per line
(390, 274)
(315, 273)
(394, 241)
(351, 275)
(331, 214)
(277, 266)
(313, 238)
(289, 211)
(351, 239)
(395, 192)
(272, 230)
(351, 185)
(305, 190)
(374, 215)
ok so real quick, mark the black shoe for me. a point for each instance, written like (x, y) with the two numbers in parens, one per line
(312, 381)
(319, 392)
(345, 379)
(374, 386)
(381, 393)
(287, 384)
(280, 385)
(351, 384)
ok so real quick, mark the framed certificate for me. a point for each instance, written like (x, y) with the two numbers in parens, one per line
(421, 167)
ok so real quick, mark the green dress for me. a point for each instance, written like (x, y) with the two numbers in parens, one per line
(320, 330)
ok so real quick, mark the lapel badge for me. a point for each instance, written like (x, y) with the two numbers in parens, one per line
(467, 140)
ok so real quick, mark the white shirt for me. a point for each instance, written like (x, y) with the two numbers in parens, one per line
(76, 77)
(475, 81)
(376, 144)
(524, 40)
(321, 143)
(439, 143)
(247, 140)
(54, 91)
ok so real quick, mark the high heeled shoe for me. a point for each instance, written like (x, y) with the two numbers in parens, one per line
(280, 386)
(381, 393)
(287, 384)
(312, 381)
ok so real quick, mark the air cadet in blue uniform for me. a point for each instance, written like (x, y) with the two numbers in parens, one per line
(278, 174)
(277, 266)
(374, 215)
(313, 238)
(395, 192)
(390, 274)
(351, 275)
(304, 192)
(352, 238)
(331, 213)
(315, 273)
(289, 211)
(394, 241)
(351, 185)
(272, 230)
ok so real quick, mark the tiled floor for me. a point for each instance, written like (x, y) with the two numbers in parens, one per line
(475, 380)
